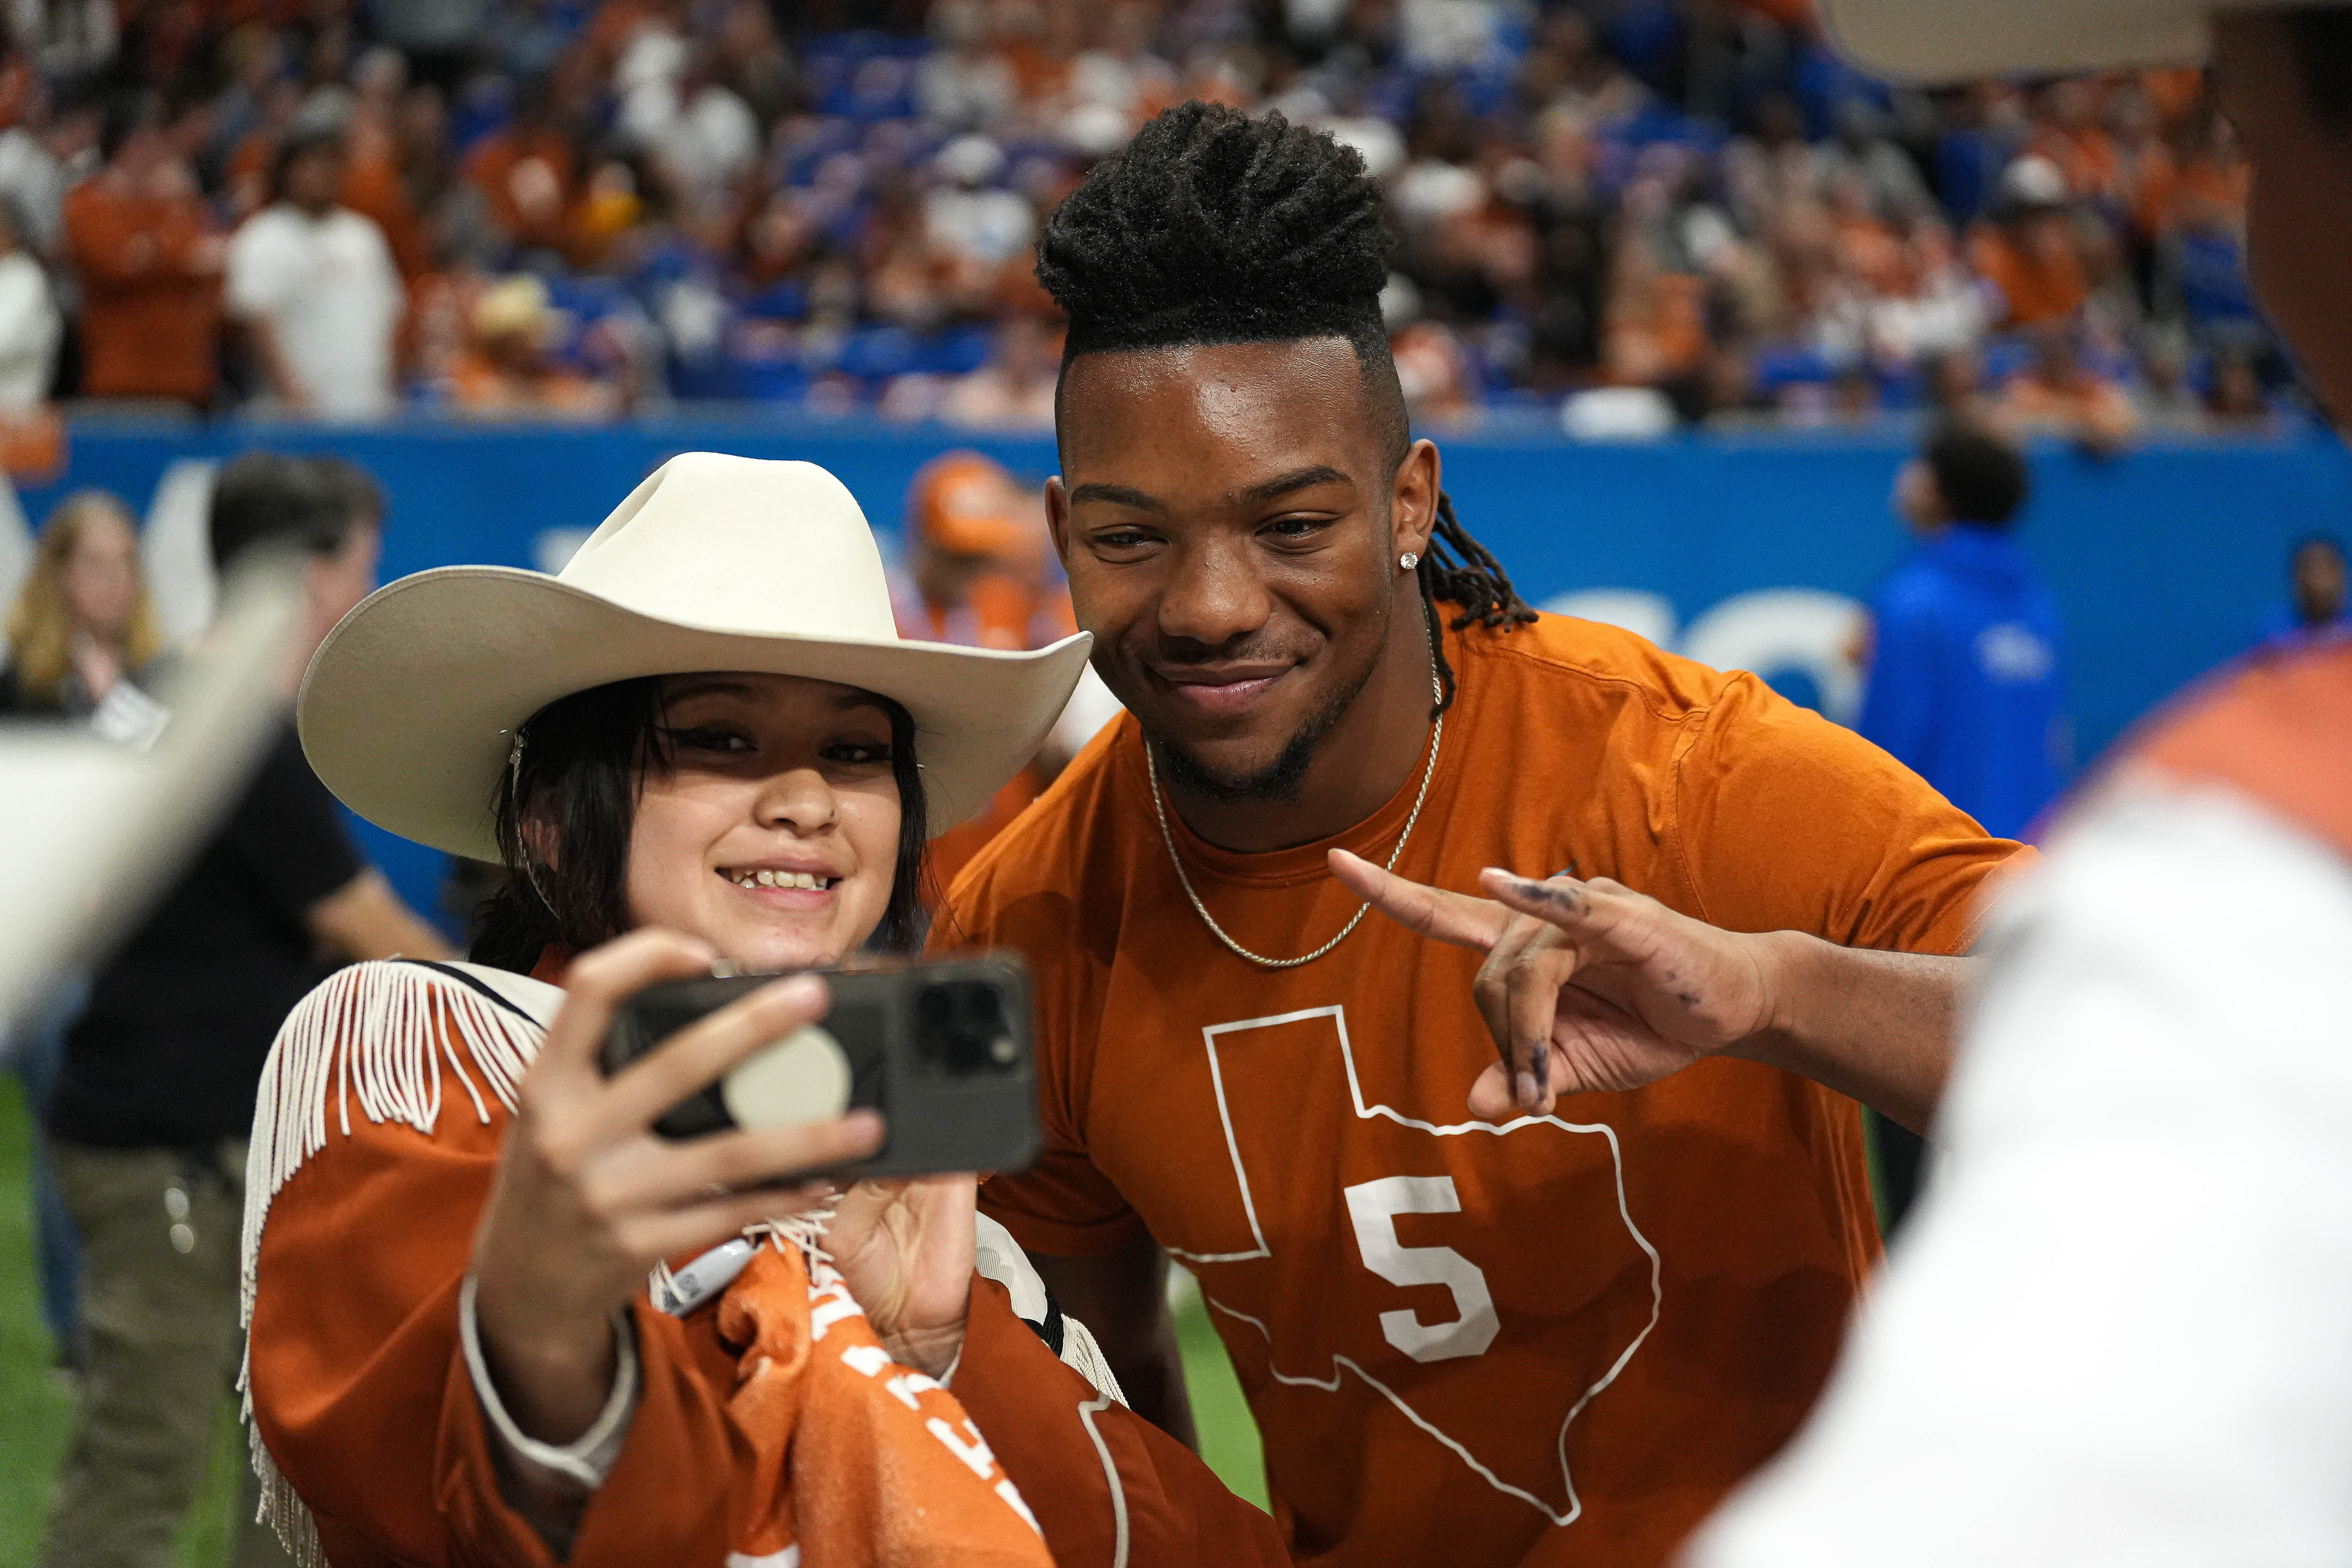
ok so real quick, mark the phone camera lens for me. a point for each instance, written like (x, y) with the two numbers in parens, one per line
(961, 1028)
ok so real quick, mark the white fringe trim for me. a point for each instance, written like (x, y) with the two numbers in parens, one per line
(1082, 1355)
(368, 1029)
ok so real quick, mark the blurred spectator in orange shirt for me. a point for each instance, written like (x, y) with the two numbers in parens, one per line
(142, 243)
(2030, 252)
(2057, 395)
(2068, 133)
(375, 178)
(527, 173)
(980, 573)
(1655, 329)
(509, 371)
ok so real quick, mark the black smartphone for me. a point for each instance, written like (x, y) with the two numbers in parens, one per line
(941, 1048)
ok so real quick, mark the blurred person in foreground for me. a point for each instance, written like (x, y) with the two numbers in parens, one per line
(979, 574)
(1968, 678)
(313, 285)
(82, 633)
(141, 240)
(2317, 608)
(156, 1094)
(2114, 1333)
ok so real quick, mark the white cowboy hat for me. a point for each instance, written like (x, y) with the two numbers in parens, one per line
(1945, 40)
(409, 710)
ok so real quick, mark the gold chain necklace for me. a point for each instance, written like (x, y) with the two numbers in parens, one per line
(1152, 772)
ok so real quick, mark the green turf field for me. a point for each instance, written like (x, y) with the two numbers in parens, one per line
(35, 1406)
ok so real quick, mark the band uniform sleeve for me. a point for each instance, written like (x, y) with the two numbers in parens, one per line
(1783, 821)
(1063, 1206)
(1107, 1486)
(2151, 1367)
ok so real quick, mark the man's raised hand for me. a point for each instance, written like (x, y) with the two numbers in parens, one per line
(1587, 984)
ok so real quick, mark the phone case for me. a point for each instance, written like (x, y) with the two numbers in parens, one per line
(941, 1048)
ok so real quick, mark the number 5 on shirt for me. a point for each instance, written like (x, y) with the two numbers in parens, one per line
(1373, 1207)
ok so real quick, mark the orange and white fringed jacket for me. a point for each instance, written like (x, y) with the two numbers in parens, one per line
(769, 1430)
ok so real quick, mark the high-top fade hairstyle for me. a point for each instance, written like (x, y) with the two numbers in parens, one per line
(1214, 227)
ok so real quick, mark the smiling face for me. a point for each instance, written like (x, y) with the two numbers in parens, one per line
(1231, 519)
(773, 834)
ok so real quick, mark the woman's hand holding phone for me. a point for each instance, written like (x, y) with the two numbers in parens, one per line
(587, 1197)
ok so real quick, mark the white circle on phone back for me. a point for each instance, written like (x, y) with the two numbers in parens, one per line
(802, 1077)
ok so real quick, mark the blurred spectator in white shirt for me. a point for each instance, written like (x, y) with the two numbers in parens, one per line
(969, 217)
(29, 324)
(41, 156)
(964, 82)
(314, 284)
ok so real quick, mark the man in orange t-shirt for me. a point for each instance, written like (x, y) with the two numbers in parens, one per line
(1541, 1310)
(138, 238)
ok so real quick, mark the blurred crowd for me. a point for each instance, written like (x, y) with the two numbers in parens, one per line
(1622, 215)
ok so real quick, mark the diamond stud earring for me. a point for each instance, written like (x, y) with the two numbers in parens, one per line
(1408, 561)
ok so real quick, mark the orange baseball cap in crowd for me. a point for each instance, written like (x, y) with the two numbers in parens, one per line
(968, 504)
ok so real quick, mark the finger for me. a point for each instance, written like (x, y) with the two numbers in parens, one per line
(691, 1232)
(1490, 1098)
(597, 984)
(1562, 902)
(1491, 988)
(1432, 912)
(732, 1161)
(686, 1063)
(1532, 1005)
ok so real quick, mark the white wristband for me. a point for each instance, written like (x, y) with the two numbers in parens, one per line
(588, 1459)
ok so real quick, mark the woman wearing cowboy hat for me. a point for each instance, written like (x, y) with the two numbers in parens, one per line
(700, 743)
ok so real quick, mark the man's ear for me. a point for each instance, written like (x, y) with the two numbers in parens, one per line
(1413, 505)
(1057, 517)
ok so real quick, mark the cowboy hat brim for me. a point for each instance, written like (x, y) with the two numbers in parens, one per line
(408, 708)
(1937, 41)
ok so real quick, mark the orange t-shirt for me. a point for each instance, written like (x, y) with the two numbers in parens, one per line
(151, 284)
(1558, 1340)
(2036, 288)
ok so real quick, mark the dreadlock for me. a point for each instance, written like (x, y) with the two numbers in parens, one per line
(1459, 570)
(1214, 227)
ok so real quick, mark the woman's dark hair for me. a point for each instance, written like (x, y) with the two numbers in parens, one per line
(576, 780)
(1214, 227)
